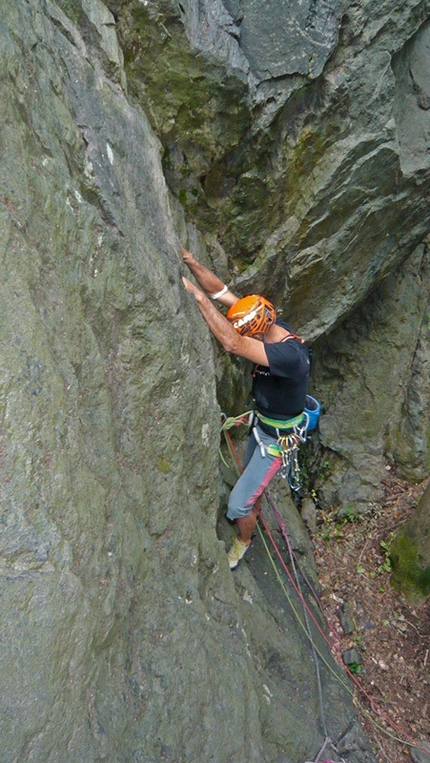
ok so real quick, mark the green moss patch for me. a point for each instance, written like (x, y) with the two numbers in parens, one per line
(409, 577)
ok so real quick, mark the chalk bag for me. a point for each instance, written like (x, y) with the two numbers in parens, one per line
(312, 410)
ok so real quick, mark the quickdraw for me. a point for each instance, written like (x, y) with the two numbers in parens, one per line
(287, 448)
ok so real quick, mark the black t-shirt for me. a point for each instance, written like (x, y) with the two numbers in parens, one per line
(280, 389)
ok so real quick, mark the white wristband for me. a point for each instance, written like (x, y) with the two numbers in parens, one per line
(219, 293)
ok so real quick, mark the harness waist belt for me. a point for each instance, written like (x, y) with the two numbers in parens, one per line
(297, 421)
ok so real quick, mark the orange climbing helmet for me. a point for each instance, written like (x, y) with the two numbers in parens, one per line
(252, 315)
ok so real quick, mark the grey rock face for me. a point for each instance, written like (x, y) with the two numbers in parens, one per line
(321, 205)
(281, 38)
(314, 180)
(411, 67)
(123, 635)
(419, 756)
(377, 411)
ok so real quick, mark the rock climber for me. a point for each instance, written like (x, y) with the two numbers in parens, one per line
(253, 331)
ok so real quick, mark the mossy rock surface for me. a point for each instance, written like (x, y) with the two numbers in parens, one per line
(410, 553)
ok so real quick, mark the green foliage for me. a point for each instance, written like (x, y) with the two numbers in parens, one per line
(386, 564)
(324, 470)
(358, 638)
(334, 524)
(355, 668)
(350, 515)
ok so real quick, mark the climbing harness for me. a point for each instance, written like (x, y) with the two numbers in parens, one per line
(290, 434)
(286, 446)
(284, 424)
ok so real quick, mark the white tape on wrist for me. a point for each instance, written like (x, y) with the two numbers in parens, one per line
(219, 293)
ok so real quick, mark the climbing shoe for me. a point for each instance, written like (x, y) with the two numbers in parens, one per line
(237, 552)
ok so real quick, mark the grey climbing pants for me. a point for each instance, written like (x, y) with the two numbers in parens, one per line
(258, 471)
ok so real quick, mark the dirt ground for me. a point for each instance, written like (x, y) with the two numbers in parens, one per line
(391, 638)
